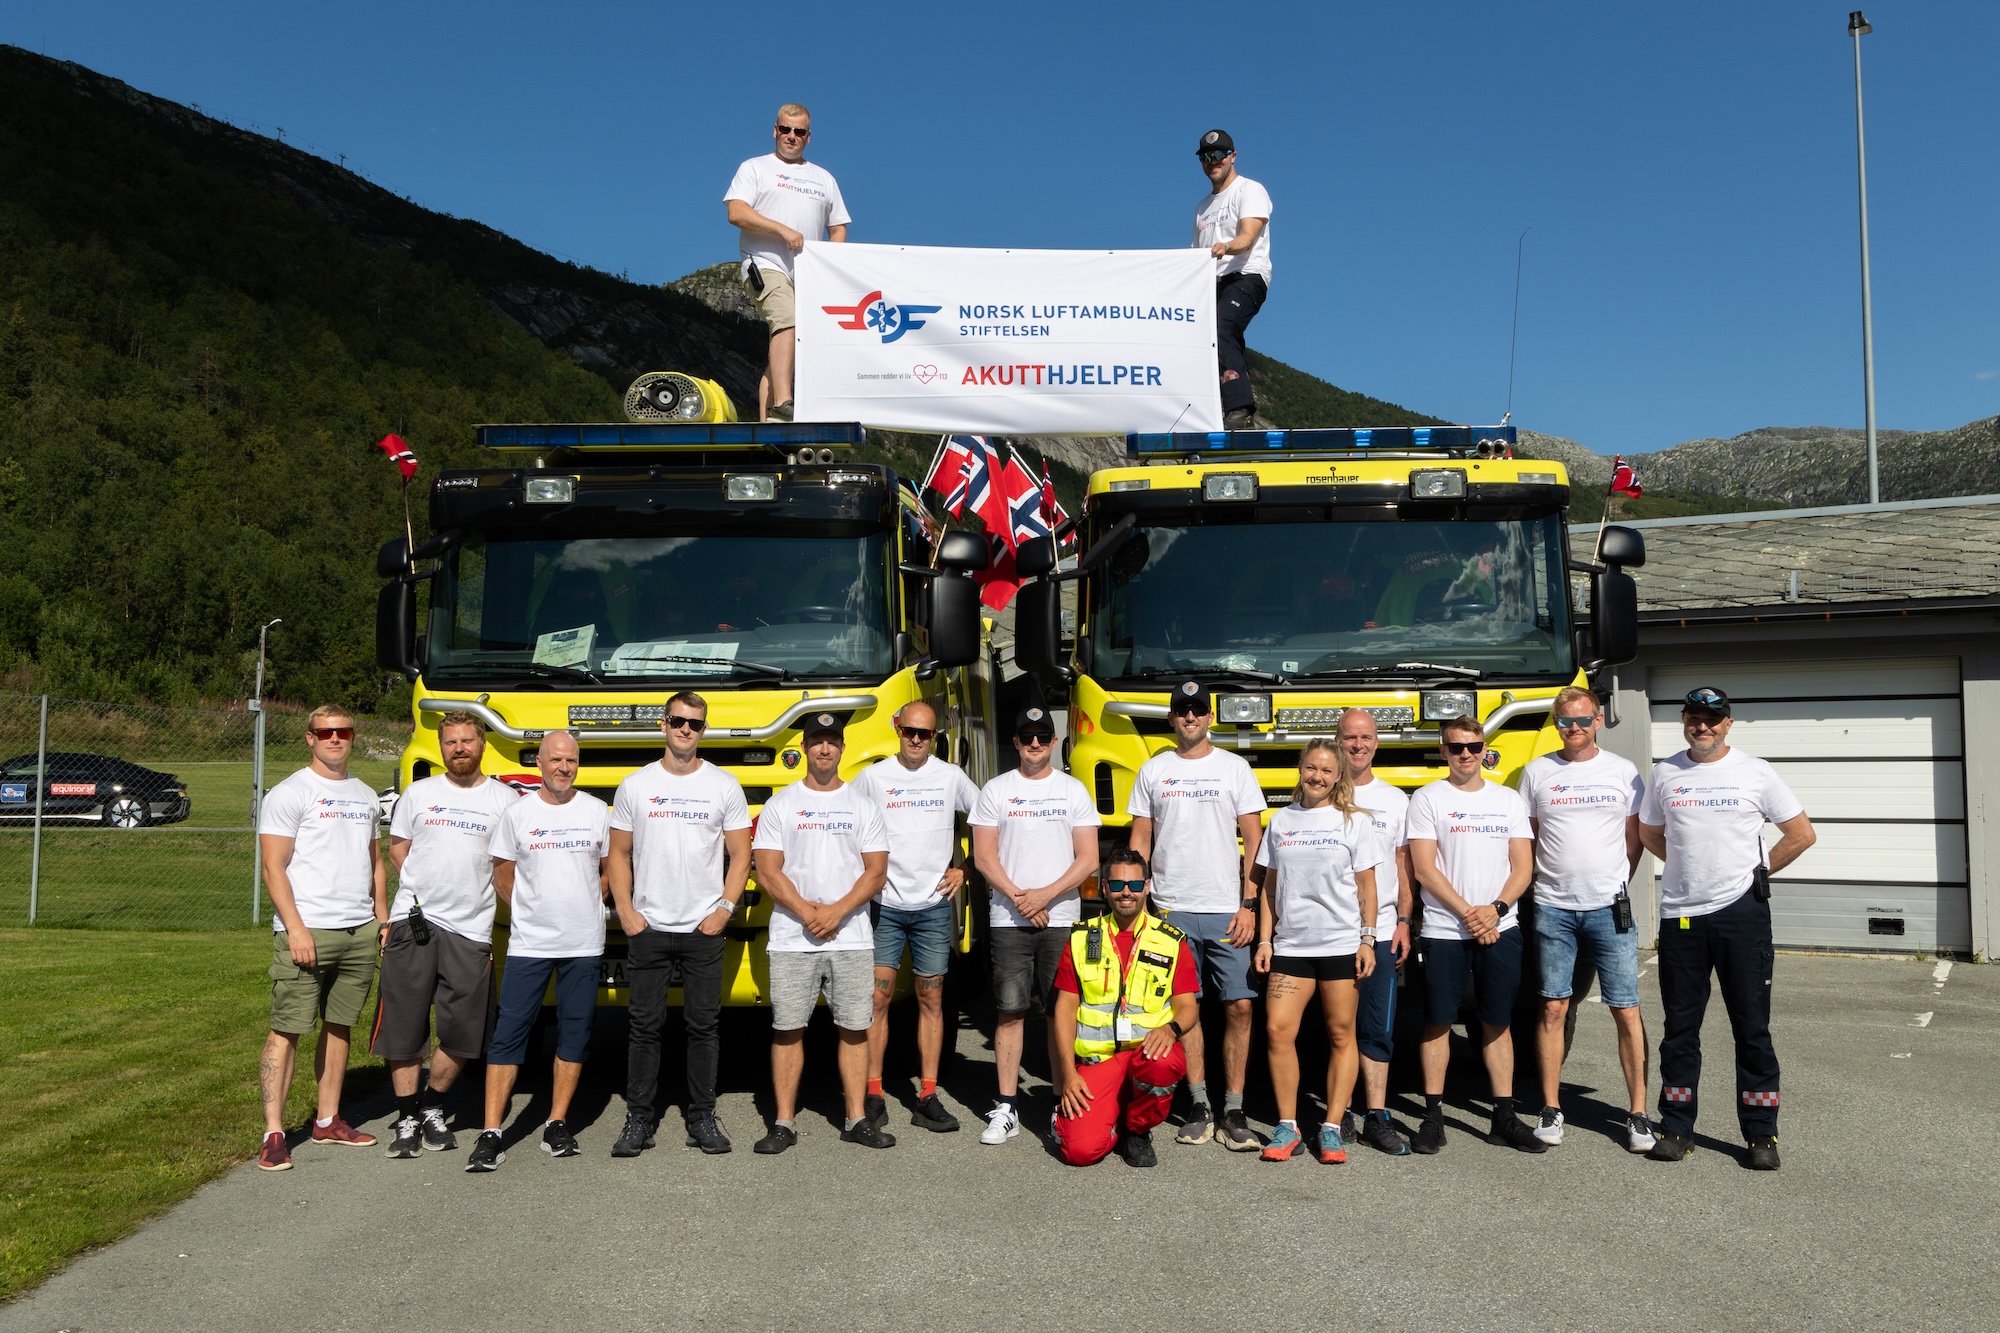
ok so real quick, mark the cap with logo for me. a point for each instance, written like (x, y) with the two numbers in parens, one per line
(1189, 697)
(1215, 141)
(1708, 701)
(1034, 721)
(828, 723)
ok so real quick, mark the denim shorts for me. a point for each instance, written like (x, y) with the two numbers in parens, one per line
(928, 931)
(1615, 952)
(1223, 968)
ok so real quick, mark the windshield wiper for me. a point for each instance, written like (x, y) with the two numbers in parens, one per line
(779, 672)
(1470, 673)
(541, 669)
(1240, 673)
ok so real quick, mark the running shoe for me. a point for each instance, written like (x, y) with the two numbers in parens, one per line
(930, 1114)
(1764, 1152)
(342, 1133)
(875, 1110)
(1430, 1135)
(632, 1139)
(1380, 1134)
(1639, 1133)
(1235, 1133)
(868, 1134)
(409, 1141)
(274, 1155)
(1285, 1143)
(1197, 1128)
(704, 1131)
(780, 1138)
(486, 1154)
(1350, 1126)
(1550, 1129)
(1332, 1144)
(1671, 1147)
(1001, 1124)
(557, 1141)
(437, 1135)
(1139, 1150)
(1509, 1132)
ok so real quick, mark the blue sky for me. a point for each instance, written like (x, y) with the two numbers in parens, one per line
(1688, 171)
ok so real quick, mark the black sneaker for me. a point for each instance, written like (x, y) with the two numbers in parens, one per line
(704, 1131)
(875, 1110)
(930, 1114)
(557, 1141)
(632, 1139)
(1509, 1131)
(437, 1135)
(1235, 1133)
(1239, 418)
(779, 1139)
(1138, 1149)
(486, 1154)
(1430, 1136)
(1378, 1133)
(1671, 1147)
(1764, 1153)
(868, 1134)
(409, 1139)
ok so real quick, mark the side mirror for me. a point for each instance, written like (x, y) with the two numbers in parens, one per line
(1034, 557)
(963, 551)
(1614, 616)
(955, 619)
(1038, 626)
(1622, 546)
(396, 627)
(393, 560)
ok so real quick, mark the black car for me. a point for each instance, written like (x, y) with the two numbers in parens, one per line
(92, 788)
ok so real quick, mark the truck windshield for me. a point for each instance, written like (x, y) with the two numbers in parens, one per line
(630, 609)
(1295, 599)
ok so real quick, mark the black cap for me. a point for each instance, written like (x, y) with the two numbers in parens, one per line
(832, 723)
(1188, 697)
(1708, 701)
(1034, 719)
(1215, 139)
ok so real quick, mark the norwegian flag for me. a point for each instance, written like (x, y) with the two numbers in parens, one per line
(997, 582)
(984, 495)
(1623, 482)
(947, 476)
(399, 454)
(1052, 511)
(1024, 504)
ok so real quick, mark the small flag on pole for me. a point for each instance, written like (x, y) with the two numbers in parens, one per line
(1623, 482)
(399, 454)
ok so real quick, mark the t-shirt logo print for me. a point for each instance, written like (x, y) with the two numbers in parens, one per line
(873, 314)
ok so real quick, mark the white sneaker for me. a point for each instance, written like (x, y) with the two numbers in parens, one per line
(1001, 1124)
(1550, 1129)
(1639, 1136)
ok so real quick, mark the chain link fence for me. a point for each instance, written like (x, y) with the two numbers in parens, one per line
(141, 817)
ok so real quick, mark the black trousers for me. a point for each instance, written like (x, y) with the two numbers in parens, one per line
(651, 960)
(1238, 298)
(1734, 945)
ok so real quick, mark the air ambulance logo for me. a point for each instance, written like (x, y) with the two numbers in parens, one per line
(873, 314)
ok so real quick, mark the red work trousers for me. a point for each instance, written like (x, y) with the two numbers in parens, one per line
(1126, 1090)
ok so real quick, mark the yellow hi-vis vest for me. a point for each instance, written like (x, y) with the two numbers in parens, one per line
(1119, 1009)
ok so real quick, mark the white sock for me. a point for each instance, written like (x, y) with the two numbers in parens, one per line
(324, 1123)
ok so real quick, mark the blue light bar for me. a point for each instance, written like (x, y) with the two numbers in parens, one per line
(612, 436)
(1379, 439)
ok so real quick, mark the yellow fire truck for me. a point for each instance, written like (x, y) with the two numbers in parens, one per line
(598, 568)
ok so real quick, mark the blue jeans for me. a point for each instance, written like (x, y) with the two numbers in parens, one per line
(1222, 968)
(1615, 952)
(927, 930)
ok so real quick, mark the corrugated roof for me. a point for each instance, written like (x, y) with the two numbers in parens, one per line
(1851, 553)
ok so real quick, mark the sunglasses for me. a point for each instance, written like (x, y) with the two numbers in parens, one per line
(1035, 737)
(792, 132)
(1465, 747)
(331, 733)
(1214, 154)
(918, 733)
(1124, 886)
(694, 724)
(1574, 723)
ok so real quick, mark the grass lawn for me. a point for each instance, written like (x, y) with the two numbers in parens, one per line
(128, 1078)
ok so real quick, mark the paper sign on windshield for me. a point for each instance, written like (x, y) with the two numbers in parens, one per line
(566, 647)
(667, 657)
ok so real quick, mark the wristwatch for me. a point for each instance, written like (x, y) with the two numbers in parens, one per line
(1501, 907)
(1176, 1027)
(1367, 938)
(1249, 905)
(1405, 921)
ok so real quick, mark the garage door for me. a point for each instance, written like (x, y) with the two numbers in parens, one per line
(1875, 750)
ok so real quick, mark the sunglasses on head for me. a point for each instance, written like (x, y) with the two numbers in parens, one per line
(1035, 737)
(332, 733)
(1124, 886)
(1465, 747)
(918, 733)
(694, 724)
(1574, 723)
(1706, 698)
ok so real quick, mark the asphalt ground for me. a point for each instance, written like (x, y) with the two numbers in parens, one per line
(1886, 1214)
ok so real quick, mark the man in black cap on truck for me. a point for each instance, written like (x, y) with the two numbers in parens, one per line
(1233, 223)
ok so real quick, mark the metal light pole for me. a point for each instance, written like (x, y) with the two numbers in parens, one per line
(1857, 28)
(257, 780)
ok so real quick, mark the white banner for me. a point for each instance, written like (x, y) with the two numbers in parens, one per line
(1007, 342)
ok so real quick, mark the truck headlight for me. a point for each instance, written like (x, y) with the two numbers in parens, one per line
(1229, 486)
(1243, 708)
(1441, 704)
(750, 488)
(551, 490)
(1442, 484)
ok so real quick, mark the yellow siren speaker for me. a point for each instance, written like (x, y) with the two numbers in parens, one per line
(668, 395)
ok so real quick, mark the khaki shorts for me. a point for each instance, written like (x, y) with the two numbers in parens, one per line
(778, 303)
(334, 988)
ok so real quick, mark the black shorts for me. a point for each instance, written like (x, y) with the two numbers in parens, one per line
(1327, 967)
(1495, 970)
(452, 975)
(1025, 959)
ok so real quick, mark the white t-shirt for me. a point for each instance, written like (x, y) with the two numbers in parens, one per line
(919, 810)
(1218, 217)
(1580, 811)
(1714, 815)
(1193, 803)
(822, 834)
(332, 825)
(1474, 832)
(1034, 821)
(800, 195)
(1313, 856)
(677, 825)
(1390, 805)
(558, 908)
(449, 870)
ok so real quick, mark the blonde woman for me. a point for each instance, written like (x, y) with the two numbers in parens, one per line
(1316, 934)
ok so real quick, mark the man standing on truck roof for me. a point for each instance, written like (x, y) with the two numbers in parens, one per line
(673, 825)
(822, 854)
(548, 863)
(439, 956)
(779, 202)
(1375, 1011)
(1233, 223)
(920, 796)
(329, 907)
(1191, 806)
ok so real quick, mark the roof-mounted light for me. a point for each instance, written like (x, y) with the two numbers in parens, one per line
(1466, 441)
(1438, 484)
(550, 490)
